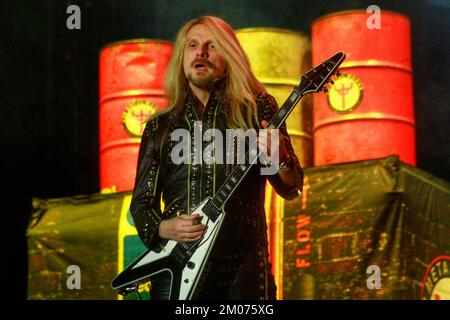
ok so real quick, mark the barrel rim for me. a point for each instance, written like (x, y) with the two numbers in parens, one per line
(367, 116)
(344, 12)
(134, 40)
(282, 30)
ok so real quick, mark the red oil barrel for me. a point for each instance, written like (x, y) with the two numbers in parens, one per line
(369, 111)
(131, 89)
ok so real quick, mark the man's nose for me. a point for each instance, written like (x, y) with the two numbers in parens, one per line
(202, 52)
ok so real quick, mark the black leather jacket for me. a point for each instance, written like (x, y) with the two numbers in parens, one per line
(239, 263)
(184, 186)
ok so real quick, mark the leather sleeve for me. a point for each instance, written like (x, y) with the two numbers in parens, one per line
(145, 203)
(268, 107)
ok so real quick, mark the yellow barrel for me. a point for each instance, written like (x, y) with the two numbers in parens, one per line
(278, 58)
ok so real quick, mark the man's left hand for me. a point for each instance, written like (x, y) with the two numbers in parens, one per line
(265, 143)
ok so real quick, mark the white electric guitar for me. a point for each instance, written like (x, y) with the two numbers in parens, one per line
(185, 262)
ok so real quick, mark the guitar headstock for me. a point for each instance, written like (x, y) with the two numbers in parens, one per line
(315, 79)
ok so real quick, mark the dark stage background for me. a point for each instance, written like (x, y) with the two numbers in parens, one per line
(49, 82)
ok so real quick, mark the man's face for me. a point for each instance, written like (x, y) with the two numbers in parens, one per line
(202, 63)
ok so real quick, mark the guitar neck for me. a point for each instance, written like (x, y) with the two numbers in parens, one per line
(241, 170)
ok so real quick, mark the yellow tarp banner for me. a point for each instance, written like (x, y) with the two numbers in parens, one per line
(375, 229)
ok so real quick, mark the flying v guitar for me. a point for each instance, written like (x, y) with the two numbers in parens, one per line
(185, 262)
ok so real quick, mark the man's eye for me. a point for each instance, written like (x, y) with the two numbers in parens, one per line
(211, 46)
(192, 45)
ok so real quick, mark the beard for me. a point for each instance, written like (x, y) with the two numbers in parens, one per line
(203, 81)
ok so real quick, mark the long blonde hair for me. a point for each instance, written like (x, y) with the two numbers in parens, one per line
(241, 85)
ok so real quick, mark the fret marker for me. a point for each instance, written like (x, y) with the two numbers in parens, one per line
(293, 96)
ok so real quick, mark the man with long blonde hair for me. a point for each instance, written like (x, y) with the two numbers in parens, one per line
(210, 80)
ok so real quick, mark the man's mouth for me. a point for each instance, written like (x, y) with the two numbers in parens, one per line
(200, 66)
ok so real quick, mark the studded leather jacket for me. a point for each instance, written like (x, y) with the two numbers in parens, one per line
(183, 186)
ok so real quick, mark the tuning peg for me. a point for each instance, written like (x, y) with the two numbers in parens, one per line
(325, 90)
(331, 81)
(338, 73)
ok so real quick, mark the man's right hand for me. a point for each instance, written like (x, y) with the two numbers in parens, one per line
(183, 228)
